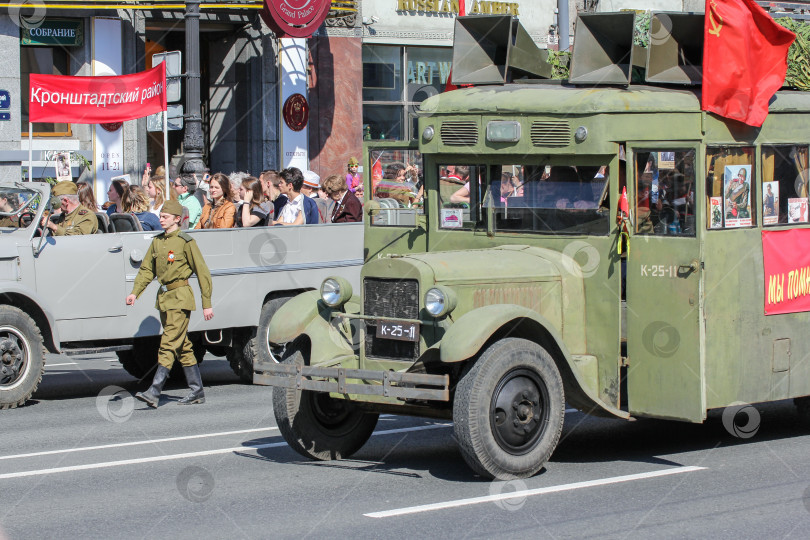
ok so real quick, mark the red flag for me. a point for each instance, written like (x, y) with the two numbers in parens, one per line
(744, 60)
(376, 175)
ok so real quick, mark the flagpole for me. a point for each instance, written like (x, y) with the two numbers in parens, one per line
(30, 147)
(166, 152)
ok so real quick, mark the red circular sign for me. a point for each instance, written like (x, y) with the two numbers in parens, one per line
(295, 18)
(296, 112)
(112, 126)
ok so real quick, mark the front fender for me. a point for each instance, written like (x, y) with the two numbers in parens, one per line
(294, 316)
(331, 339)
(469, 333)
(473, 329)
(30, 301)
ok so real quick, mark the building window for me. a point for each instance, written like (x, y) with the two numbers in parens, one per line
(46, 61)
(395, 81)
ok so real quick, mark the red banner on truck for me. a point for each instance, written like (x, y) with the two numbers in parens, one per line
(97, 100)
(786, 257)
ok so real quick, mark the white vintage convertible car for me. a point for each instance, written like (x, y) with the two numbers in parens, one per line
(66, 294)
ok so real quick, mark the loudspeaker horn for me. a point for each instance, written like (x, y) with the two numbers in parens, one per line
(675, 53)
(603, 48)
(493, 49)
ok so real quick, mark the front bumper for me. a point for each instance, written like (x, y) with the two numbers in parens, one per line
(388, 384)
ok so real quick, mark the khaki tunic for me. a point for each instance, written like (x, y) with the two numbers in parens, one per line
(187, 260)
(80, 221)
(173, 257)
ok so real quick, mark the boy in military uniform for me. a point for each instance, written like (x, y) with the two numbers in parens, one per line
(171, 258)
(75, 218)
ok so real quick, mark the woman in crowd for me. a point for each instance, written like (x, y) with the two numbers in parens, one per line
(136, 202)
(155, 188)
(219, 212)
(115, 194)
(86, 196)
(250, 212)
(347, 208)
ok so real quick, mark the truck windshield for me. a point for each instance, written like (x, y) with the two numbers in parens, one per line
(18, 205)
(567, 199)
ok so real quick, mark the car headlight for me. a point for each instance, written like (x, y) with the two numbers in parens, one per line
(335, 291)
(440, 301)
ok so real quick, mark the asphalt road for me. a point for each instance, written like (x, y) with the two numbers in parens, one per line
(75, 464)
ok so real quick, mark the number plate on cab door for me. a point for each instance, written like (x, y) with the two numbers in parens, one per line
(398, 330)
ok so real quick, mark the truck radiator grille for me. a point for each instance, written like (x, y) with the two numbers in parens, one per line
(390, 298)
(459, 133)
(551, 133)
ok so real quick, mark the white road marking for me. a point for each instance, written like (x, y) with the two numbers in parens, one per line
(135, 443)
(63, 364)
(530, 492)
(571, 410)
(171, 457)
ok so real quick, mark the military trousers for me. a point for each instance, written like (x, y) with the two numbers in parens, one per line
(174, 343)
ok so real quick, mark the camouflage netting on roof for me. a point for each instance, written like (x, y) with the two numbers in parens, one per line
(798, 72)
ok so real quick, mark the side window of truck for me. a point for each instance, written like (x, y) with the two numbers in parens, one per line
(784, 184)
(665, 192)
(730, 187)
(398, 186)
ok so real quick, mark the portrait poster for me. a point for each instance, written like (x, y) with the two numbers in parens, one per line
(770, 203)
(797, 210)
(63, 172)
(737, 195)
(666, 160)
(715, 212)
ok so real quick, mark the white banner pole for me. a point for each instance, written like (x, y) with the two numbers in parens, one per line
(30, 148)
(166, 152)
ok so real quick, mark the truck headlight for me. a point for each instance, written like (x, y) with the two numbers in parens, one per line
(440, 301)
(335, 291)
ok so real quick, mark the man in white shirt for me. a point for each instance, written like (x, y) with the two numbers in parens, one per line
(293, 212)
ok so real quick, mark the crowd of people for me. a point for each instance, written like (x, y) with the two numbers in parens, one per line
(220, 201)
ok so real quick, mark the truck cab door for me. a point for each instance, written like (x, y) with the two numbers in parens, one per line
(82, 275)
(395, 218)
(663, 281)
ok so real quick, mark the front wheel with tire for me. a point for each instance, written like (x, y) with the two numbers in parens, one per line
(22, 357)
(509, 409)
(316, 425)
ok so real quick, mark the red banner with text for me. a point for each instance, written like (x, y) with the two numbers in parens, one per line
(786, 257)
(97, 100)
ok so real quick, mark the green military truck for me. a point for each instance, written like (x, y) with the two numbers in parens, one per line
(524, 282)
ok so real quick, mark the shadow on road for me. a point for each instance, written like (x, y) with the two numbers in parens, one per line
(69, 382)
(584, 440)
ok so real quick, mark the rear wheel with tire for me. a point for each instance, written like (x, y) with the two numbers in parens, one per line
(316, 425)
(509, 409)
(252, 345)
(22, 357)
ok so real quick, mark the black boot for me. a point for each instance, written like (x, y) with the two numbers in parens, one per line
(195, 384)
(152, 396)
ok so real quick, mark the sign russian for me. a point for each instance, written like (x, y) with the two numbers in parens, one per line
(95, 100)
(295, 18)
(173, 60)
(5, 99)
(64, 32)
(786, 258)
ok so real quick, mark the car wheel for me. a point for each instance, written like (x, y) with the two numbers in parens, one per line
(22, 357)
(509, 409)
(318, 426)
